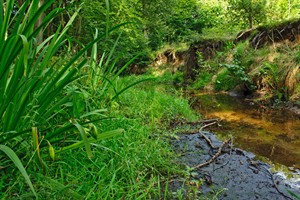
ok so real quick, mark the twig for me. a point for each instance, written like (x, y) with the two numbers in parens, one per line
(209, 120)
(230, 154)
(208, 141)
(207, 125)
(205, 137)
(276, 187)
(204, 121)
(194, 131)
(215, 156)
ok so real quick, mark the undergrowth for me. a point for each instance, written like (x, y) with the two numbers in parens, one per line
(129, 166)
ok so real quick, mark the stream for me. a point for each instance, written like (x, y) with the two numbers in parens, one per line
(272, 134)
(263, 163)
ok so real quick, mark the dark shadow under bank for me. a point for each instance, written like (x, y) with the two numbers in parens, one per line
(235, 170)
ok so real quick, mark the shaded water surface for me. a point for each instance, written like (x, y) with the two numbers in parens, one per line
(271, 133)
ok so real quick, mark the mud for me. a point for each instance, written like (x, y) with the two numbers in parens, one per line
(238, 171)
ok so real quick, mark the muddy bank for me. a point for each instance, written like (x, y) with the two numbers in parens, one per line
(238, 171)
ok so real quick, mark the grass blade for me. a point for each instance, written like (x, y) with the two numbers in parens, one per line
(14, 158)
(131, 85)
(101, 136)
(84, 140)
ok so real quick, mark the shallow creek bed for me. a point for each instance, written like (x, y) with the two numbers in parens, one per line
(235, 173)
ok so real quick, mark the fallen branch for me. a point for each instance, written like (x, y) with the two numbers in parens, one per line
(205, 137)
(207, 125)
(195, 131)
(230, 154)
(208, 141)
(204, 121)
(209, 120)
(215, 156)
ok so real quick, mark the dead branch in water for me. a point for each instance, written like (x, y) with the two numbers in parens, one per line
(205, 121)
(215, 156)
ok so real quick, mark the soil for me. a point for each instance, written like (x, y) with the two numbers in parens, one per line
(265, 35)
(237, 173)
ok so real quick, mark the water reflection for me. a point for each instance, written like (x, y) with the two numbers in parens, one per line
(271, 133)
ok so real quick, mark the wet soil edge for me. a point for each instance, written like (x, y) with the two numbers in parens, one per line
(237, 173)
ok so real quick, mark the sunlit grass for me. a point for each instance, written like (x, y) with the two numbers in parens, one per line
(128, 166)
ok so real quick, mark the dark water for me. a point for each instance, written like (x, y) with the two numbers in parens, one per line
(272, 134)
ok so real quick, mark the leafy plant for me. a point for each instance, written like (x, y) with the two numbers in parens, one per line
(203, 79)
(250, 11)
(225, 81)
(33, 88)
(238, 72)
(273, 76)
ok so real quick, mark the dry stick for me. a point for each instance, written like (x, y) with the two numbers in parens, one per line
(193, 131)
(215, 156)
(210, 120)
(259, 39)
(204, 121)
(230, 153)
(207, 125)
(205, 137)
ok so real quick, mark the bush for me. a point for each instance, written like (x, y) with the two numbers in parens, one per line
(225, 81)
(202, 80)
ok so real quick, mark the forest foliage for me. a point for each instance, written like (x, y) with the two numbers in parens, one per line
(61, 90)
(153, 24)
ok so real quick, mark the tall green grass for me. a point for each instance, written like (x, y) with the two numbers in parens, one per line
(134, 165)
(43, 103)
(52, 109)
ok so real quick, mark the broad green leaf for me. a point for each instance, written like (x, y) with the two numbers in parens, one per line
(84, 139)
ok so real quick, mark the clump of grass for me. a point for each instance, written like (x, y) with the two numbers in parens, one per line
(156, 101)
(297, 56)
(129, 166)
(202, 80)
(68, 107)
(225, 81)
(46, 104)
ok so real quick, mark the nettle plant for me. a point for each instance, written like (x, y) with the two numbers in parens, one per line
(238, 70)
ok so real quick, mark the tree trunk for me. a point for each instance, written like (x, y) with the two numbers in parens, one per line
(39, 37)
(250, 16)
(250, 20)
